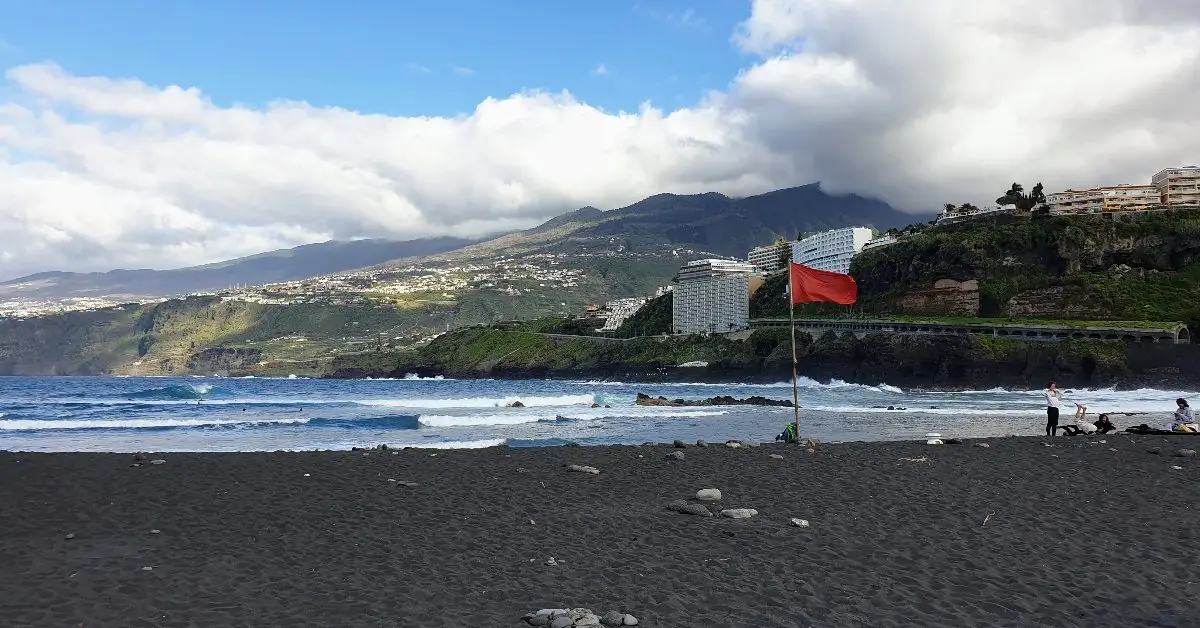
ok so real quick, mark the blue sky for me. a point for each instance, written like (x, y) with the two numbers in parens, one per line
(396, 57)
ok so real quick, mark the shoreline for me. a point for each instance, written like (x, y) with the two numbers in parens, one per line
(1084, 532)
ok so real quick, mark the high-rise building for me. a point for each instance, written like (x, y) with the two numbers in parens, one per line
(1178, 186)
(771, 258)
(712, 296)
(831, 250)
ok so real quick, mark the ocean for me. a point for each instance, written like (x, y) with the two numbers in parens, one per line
(264, 414)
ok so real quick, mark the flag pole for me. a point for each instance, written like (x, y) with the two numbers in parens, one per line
(792, 326)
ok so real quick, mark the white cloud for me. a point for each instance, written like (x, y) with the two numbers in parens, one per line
(461, 70)
(920, 103)
(418, 68)
(601, 70)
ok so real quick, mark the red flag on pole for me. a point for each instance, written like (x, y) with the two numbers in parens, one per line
(809, 285)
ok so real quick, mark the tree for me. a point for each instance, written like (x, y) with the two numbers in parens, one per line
(949, 208)
(967, 207)
(1025, 202)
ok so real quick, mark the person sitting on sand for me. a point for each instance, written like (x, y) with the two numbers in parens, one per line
(790, 434)
(1104, 425)
(1184, 420)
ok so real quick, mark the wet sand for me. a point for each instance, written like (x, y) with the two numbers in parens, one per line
(1078, 535)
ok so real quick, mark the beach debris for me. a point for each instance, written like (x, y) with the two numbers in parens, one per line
(982, 445)
(433, 455)
(70, 536)
(776, 457)
(551, 562)
(306, 475)
(1186, 453)
(675, 455)
(988, 518)
(532, 522)
(739, 513)
(733, 444)
(1177, 467)
(800, 523)
(701, 443)
(708, 495)
(156, 532)
(577, 617)
(579, 468)
(685, 507)
(679, 444)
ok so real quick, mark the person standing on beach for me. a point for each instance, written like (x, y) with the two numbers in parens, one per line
(1052, 399)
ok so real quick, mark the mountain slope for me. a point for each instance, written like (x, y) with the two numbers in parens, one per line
(309, 260)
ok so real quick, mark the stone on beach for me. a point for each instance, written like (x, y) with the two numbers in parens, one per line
(800, 523)
(982, 445)
(158, 461)
(739, 513)
(701, 443)
(776, 457)
(708, 495)
(689, 508)
(679, 444)
(733, 444)
(1186, 453)
(675, 455)
(579, 468)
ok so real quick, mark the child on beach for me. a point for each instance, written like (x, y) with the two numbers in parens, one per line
(1104, 425)
(1052, 399)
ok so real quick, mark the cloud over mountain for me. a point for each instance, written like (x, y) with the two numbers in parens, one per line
(918, 103)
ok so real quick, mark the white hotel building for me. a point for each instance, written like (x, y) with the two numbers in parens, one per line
(831, 250)
(771, 258)
(712, 296)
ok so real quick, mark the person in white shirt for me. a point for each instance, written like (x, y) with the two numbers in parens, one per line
(1184, 420)
(1082, 425)
(1052, 399)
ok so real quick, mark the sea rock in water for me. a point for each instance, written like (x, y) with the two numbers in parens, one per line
(708, 495)
(721, 400)
(515, 404)
(675, 455)
(579, 468)
(689, 508)
(739, 513)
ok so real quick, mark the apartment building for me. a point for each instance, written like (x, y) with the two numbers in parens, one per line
(620, 309)
(712, 296)
(881, 241)
(1111, 198)
(1178, 186)
(772, 258)
(831, 250)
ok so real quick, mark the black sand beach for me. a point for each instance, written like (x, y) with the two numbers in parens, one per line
(1078, 535)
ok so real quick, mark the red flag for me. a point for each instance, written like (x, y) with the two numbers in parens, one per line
(809, 285)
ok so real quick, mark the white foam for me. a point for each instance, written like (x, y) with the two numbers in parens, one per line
(456, 444)
(591, 414)
(483, 402)
(24, 425)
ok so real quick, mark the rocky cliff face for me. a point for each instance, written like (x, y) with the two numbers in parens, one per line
(1087, 267)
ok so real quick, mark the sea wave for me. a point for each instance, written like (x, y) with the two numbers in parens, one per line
(521, 418)
(30, 425)
(484, 402)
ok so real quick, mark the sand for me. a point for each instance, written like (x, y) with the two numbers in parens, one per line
(1078, 535)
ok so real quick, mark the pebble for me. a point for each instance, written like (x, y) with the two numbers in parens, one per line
(156, 532)
(739, 513)
(70, 536)
(629, 620)
(679, 444)
(551, 562)
(800, 523)
(1186, 453)
(158, 461)
(1154, 450)
(578, 617)
(776, 457)
(147, 569)
(982, 445)
(406, 483)
(1177, 468)
(689, 508)
(307, 475)
(578, 468)
(708, 495)
(675, 455)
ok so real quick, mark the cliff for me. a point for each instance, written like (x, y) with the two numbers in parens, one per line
(911, 361)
